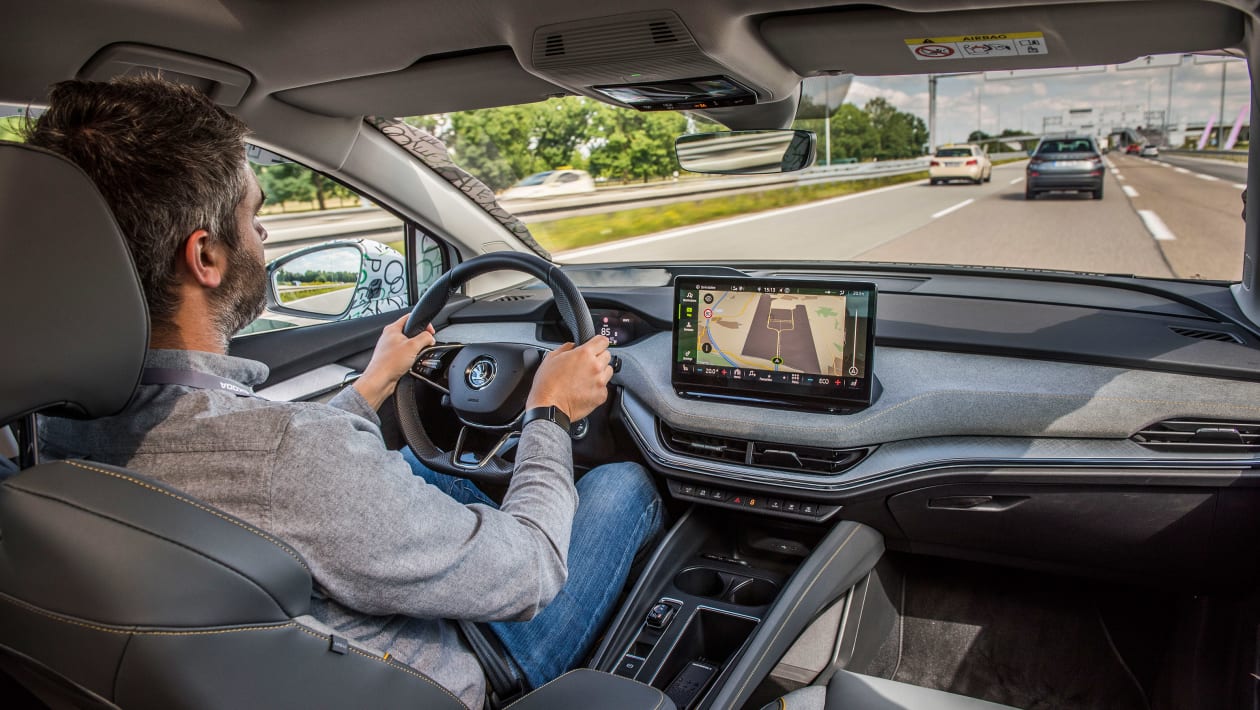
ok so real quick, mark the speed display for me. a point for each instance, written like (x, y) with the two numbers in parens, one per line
(789, 342)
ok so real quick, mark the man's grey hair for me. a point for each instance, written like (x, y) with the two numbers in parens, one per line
(167, 159)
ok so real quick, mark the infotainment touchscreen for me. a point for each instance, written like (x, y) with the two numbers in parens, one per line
(800, 343)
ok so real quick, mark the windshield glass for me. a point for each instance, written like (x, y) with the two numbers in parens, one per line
(876, 192)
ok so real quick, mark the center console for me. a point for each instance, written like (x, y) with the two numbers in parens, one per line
(716, 593)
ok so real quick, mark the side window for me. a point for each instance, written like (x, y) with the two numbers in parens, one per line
(331, 253)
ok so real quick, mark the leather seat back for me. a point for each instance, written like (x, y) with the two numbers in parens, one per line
(114, 588)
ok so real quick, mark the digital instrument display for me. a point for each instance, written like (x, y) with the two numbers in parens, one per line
(777, 341)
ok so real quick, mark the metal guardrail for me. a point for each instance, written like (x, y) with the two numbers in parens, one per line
(371, 222)
(625, 197)
(1204, 153)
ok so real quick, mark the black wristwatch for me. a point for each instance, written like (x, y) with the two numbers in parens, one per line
(552, 414)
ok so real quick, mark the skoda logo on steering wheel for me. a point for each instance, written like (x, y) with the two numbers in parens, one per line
(481, 372)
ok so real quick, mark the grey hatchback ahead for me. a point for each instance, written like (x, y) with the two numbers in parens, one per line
(1070, 163)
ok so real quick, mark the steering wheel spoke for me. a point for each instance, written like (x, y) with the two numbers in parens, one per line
(465, 458)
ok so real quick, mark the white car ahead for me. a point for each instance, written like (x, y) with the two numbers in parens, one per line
(960, 162)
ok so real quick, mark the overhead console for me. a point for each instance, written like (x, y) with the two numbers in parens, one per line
(794, 343)
(652, 61)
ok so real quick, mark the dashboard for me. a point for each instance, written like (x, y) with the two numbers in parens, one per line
(1082, 423)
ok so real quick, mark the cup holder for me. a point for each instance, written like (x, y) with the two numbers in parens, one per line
(754, 592)
(700, 582)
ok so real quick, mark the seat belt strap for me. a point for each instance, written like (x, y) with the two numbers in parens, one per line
(194, 379)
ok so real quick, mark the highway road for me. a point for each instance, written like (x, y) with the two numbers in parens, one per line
(1189, 226)
(1175, 216)
(1224, 169)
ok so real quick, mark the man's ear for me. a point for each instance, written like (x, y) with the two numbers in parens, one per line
(204, 259)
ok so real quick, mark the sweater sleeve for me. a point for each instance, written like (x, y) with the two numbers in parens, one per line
(382, 541)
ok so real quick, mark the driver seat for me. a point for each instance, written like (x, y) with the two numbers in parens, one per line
(117, 590)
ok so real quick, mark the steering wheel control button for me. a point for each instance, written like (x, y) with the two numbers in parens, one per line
(481, 372)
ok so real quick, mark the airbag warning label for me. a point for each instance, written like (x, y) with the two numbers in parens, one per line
(978, 46)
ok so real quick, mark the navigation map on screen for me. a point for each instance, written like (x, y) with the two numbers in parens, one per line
(782, 331)
(774, 339)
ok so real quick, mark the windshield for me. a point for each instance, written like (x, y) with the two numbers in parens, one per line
(876, 193)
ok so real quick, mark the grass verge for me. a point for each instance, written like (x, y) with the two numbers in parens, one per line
(289, 296)
(574, 232)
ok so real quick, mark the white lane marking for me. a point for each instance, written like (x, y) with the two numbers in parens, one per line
(1156, 226)
(1120, 178)
(1201, 176)
(721, 223)
(1183, 171)
(1017, 181)
(1128, 190)
(958, 206)
(1240, 186)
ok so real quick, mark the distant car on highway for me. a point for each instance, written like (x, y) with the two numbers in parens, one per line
(960, 162)
(1149, 151)
(1069, 163)
(1133, 148)
(551, 183)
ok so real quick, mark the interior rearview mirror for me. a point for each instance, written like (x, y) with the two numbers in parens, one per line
(746, 152)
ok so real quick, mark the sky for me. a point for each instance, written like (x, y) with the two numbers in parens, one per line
(1022, 103)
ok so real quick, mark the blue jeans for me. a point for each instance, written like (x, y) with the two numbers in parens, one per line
(618, 512)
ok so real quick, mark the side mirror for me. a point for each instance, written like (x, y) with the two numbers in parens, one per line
(746, 152)
(338, 280)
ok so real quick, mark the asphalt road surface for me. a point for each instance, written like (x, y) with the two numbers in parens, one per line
(1189, 226)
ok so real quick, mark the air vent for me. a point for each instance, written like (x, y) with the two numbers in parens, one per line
(661, 33)
(1201, 436)
(554, 46)
(1217, 335)
(760, 454)
(513, 297)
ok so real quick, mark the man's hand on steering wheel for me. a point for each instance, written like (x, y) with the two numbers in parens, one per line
(394, 355)
(575, 379)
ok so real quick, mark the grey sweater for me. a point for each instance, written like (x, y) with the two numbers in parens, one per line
(392, 557)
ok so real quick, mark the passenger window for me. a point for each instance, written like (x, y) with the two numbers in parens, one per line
(331, 253)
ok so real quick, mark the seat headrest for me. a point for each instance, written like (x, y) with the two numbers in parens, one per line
(76, 324)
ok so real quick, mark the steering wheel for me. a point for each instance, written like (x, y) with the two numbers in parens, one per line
(486, 384)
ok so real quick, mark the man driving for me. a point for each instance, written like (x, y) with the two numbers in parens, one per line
(395, 549)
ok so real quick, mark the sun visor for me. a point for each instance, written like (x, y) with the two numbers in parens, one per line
(874, 42)
(224, 83)
(482, 79)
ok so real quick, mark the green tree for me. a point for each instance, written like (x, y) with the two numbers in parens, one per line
(287, 182)
(635, 145)
(11, 129)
